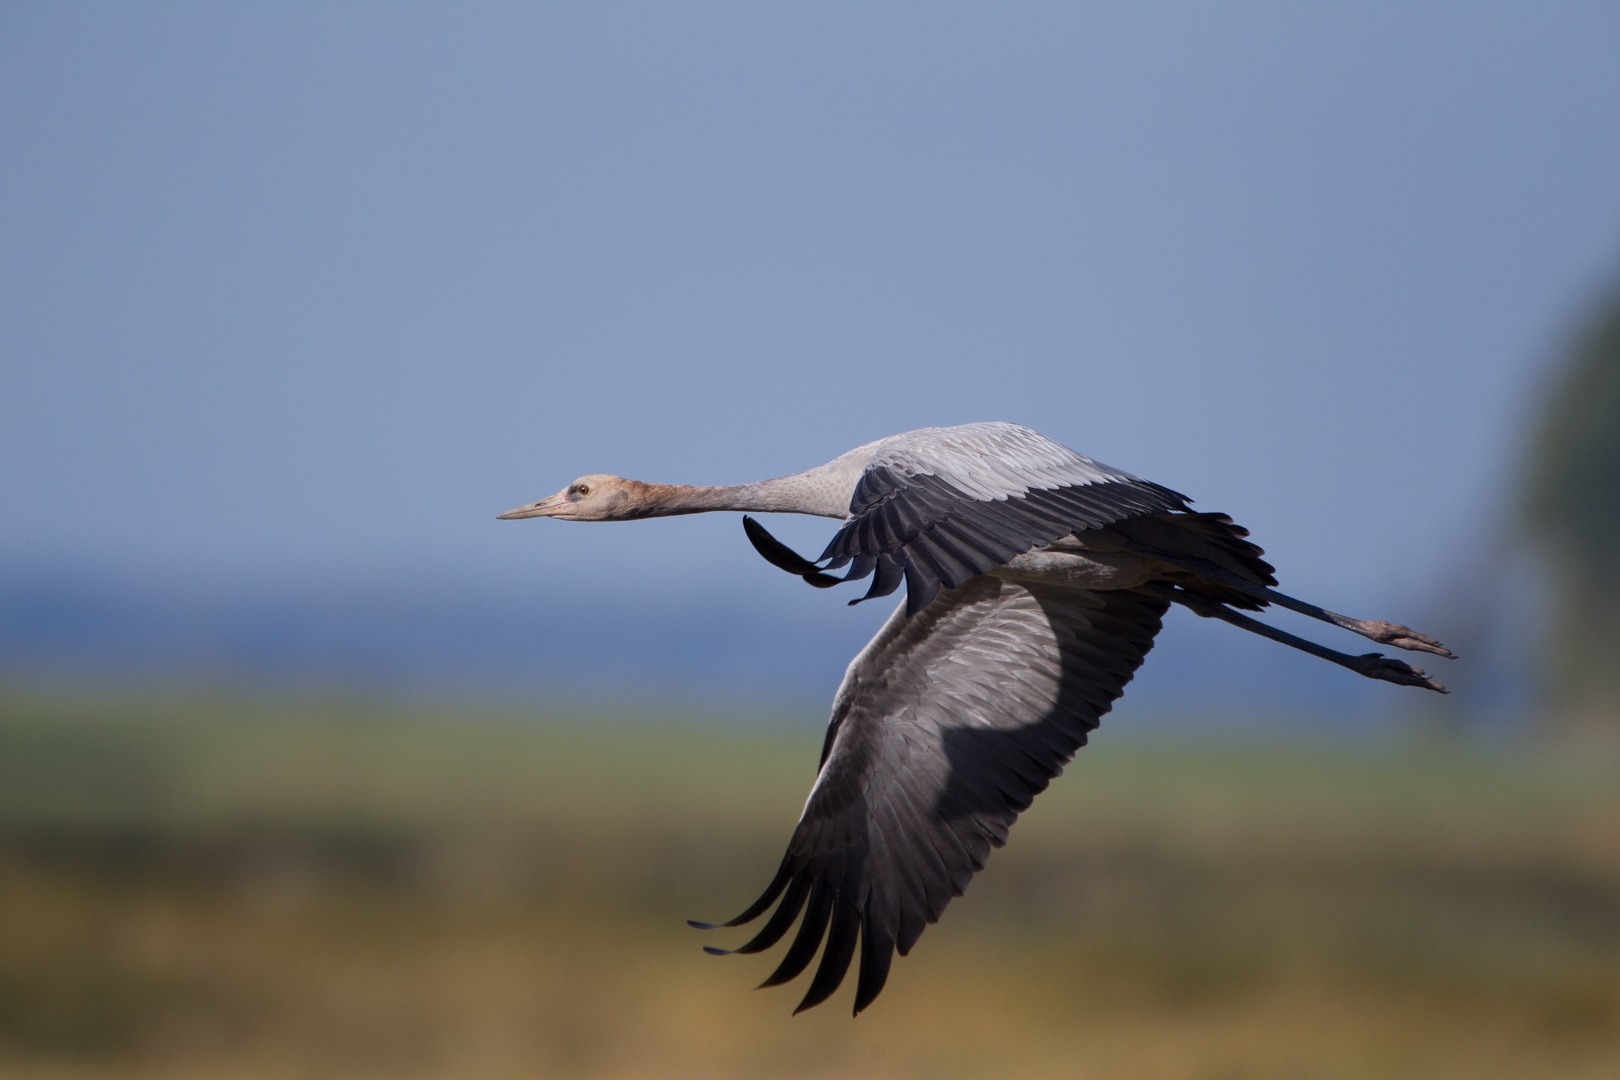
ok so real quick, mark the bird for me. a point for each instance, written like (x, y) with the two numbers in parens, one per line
(1036, 581)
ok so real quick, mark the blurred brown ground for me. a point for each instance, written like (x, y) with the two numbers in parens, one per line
(197, 888)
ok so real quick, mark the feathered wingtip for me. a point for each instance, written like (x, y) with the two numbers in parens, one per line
(784, 875)
(828, 913)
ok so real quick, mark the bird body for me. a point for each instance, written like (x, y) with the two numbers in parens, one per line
(1036, 581)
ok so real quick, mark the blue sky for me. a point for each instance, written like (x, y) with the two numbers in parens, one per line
(300, 294)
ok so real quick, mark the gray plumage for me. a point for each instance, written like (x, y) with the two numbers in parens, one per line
(945, 728)
(1036, 580)
(938, 506)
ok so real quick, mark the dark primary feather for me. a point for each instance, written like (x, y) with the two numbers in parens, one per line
(780, 555)
(926, 531)
(946, 727)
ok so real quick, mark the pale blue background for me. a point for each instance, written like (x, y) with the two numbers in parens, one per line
(297, 297)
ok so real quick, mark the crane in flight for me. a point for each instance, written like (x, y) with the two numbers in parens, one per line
(1036, 580)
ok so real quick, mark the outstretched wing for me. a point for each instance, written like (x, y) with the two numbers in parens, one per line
(946, 726)
(936, 507)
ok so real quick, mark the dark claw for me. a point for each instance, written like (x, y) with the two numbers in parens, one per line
(712, 951)
(1378, 666)
(694, 924)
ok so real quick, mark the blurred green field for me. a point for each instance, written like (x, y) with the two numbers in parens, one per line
(226, 888)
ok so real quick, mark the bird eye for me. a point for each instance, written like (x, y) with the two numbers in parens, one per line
(583, 489)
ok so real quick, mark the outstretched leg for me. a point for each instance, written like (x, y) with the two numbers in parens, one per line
(1402, 637)
(1372, 665)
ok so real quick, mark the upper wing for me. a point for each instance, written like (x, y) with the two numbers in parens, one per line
(937, 506)
(944, 729)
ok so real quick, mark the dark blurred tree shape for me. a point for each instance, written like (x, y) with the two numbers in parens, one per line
(1571, 508)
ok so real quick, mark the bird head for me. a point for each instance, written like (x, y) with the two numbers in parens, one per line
(598, 497)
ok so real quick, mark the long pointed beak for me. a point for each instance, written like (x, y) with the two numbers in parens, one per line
(544, 508)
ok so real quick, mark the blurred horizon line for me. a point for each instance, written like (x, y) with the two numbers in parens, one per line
(585, 650)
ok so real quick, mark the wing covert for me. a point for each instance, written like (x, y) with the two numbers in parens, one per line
(941, 505)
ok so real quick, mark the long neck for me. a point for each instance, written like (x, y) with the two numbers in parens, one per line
(804, 493)
(824, 491)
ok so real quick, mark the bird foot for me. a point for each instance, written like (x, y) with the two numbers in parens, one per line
(1378, 666)
(1402, 637)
